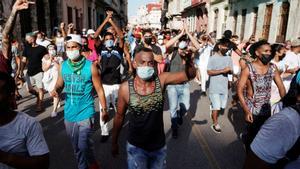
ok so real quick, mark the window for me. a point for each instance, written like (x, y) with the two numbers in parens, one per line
(235, 15)
(244, 13)
(255, 11)
(70, 15)
(216, 20)
(267, 21)
(90, 17)
(284, 15)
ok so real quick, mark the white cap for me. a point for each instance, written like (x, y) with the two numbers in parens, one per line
(160, 37)
(74, 38)
(90, 31)
(182, 45)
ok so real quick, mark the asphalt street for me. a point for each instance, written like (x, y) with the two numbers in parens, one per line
(197, 146)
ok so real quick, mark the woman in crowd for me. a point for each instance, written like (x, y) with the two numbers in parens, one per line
(50, 65)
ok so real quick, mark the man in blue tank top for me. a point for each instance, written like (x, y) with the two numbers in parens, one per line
(77, 77)
(143, 97)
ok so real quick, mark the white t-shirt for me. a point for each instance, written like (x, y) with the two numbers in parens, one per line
(291, 59)
(204, 55)
(22, 136)
(277, 136)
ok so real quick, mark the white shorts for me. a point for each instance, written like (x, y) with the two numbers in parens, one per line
(36, 80)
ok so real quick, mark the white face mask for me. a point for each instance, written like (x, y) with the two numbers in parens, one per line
(52, 52)
(160, 41)
(73, 54)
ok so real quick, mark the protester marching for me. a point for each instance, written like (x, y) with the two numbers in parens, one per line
(132, 75)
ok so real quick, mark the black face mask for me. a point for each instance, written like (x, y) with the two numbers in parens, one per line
(223, 51)
(148, 41)
(282, 56)
(265, 59)
(138, 40)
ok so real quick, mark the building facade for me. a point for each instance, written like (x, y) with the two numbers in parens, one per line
(194, 12)
(273, 20)
(148, 16)
(46, 15)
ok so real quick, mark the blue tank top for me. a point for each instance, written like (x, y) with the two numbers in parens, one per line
(79, 104)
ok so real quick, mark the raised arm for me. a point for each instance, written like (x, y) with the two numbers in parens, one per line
(100, 28)
(70, 28)
(119, 32)
(6, 42)
(167, 78)
(194, 41)
(127, 57)
(62, 29)
(172, 41)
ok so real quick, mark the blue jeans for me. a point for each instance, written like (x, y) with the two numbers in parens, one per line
(81, 134)
(179, 101)
(139, 158)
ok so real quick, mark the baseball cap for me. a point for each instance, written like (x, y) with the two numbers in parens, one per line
(74, 38)
(90, 31)
(160, 37)
(295, 42)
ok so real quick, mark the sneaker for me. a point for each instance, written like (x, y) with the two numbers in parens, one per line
(54, 114)
(174, 133)
(216, 128)
(104, 138)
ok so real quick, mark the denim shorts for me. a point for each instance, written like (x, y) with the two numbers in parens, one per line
(138, 158)
(218, 101)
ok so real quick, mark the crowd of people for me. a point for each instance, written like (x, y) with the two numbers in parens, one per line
(131, 70)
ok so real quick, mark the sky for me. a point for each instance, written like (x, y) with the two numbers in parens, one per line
(133, 5)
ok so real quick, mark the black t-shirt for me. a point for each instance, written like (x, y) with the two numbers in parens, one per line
(34, 56)
(110, 64)
(232, 46)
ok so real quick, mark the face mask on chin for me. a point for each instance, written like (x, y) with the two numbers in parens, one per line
(145, 72)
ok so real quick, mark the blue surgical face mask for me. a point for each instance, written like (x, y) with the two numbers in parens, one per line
(109, 43)
(73, 54)
(145, 72)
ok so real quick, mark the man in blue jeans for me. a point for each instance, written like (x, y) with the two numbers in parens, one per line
(77, 77)
(143, 97)
(179, 94)
(218, 68)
